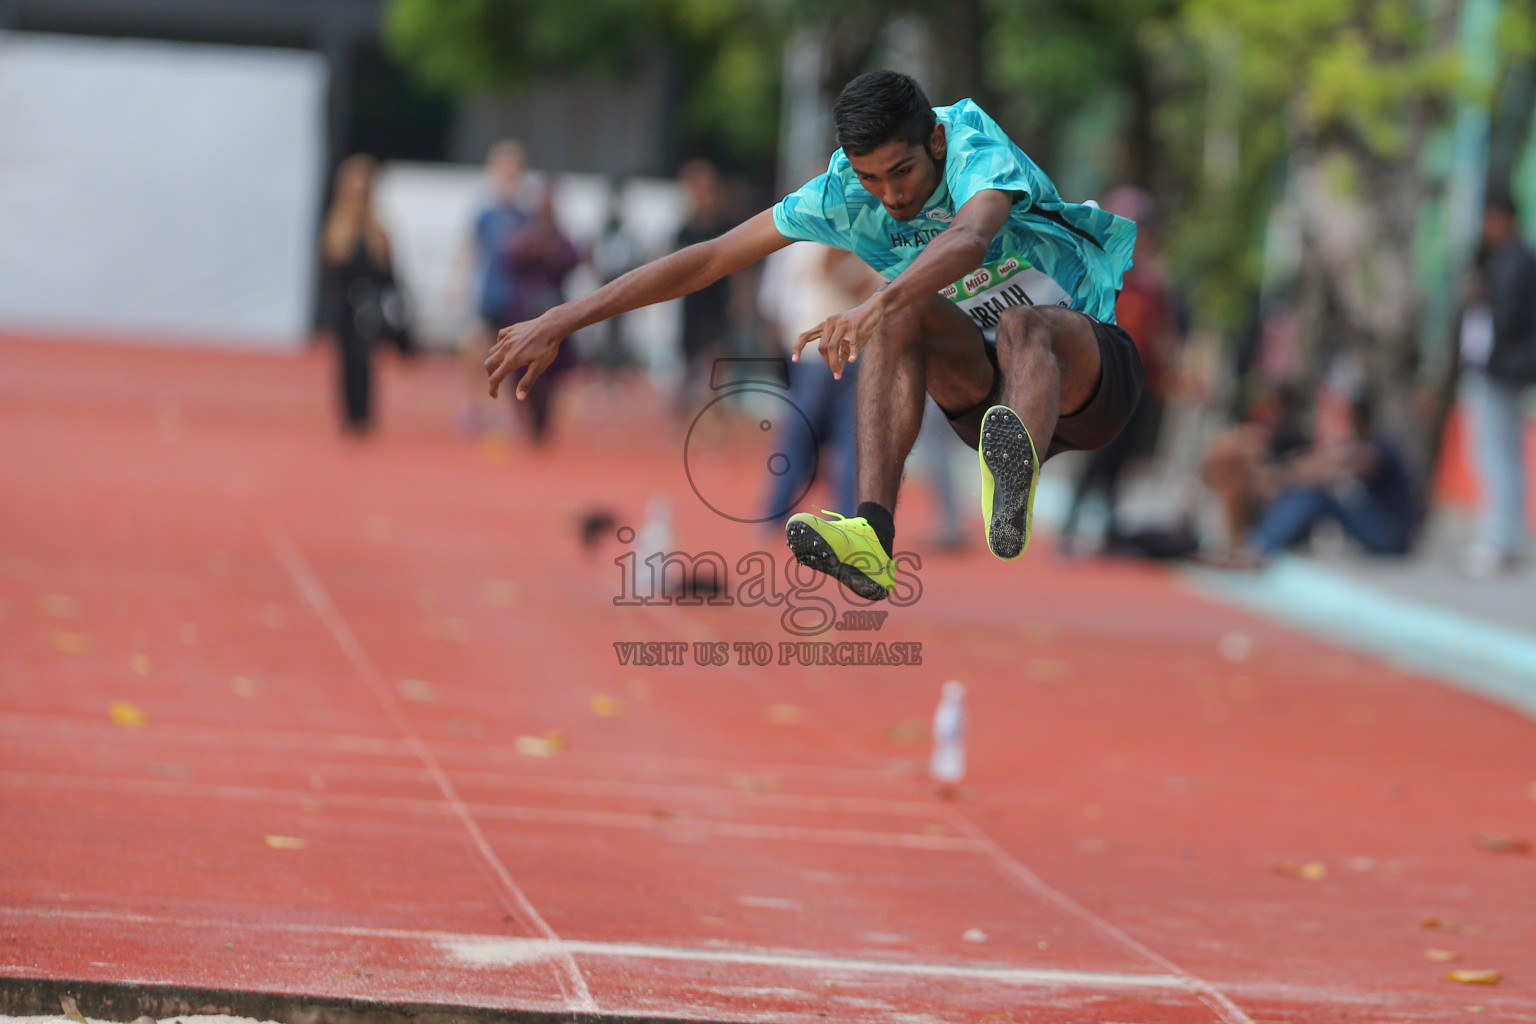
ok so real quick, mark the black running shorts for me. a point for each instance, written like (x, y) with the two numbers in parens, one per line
(1121, 379)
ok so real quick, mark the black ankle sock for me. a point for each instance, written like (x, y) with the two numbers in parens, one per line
(881, 521)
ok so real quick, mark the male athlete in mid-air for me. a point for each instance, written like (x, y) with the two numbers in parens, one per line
(1000, 304)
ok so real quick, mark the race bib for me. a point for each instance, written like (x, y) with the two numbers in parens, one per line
(986, 291)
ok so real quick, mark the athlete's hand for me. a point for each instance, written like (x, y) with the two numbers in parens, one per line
(843, 335)
(533, 343)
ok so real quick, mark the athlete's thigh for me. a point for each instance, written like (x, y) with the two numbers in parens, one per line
(959, 372)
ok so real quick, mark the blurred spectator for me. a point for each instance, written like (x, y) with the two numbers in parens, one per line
(1244, 466)
(706, 311)
(540, 257)
(1149, 312)
(495, 226)
(1498, 354)
(802, 285)
(359, 300)
(1361, 482)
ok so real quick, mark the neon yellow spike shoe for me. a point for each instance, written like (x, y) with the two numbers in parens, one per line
(845, 549)
(1009, 469)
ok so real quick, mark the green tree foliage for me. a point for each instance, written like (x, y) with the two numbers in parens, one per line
(1224, 108)
(726, 51)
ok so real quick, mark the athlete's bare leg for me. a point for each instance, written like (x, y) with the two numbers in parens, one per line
(930, 346)
(1050, 361)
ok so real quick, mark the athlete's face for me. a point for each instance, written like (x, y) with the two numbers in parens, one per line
(902, 176)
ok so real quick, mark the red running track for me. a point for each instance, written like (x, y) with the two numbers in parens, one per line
(276, 714)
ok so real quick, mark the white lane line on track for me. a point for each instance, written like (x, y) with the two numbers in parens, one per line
(468, 751)
(501, 951)
(542, 783)
(512, 895)
(1014, 870)
(678, 826)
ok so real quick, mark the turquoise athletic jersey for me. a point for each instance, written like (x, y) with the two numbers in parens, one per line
(1048, 251)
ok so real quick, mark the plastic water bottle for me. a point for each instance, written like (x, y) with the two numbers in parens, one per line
(947, 765)
(655, 534)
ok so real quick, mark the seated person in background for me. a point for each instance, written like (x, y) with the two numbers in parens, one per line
(1361, 482)
(1244, 464)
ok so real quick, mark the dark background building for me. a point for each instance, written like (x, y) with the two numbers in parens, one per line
(374, 105)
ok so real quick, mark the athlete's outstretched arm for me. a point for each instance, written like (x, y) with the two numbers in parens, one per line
(534, 343)
(955, 252)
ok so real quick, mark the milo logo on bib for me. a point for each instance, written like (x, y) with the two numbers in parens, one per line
(1012, 281)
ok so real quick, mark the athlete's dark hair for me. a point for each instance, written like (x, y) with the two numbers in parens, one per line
(876, 108)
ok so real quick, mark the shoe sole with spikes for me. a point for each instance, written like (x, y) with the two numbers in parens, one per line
(1009, 468)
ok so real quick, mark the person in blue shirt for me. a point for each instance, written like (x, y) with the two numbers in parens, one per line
(999, 303)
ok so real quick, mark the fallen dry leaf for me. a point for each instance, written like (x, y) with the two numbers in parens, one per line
(70, 643)
(1308, 872)
(495, 447)
(785, 714)
(446, 627)
(499, 593)
(1494, 843)
(71, 1010)
(1235, 646)
(1443, 956)
(1047, 670)
(286, 843)
(548, 745)
(604, 706)
(1474, 977)
(58, 606)
(126, 715)
(418, 690)
(904, 734)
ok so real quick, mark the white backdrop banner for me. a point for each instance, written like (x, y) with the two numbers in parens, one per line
(159, 190)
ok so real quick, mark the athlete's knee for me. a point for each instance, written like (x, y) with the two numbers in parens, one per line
(1020, 328)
